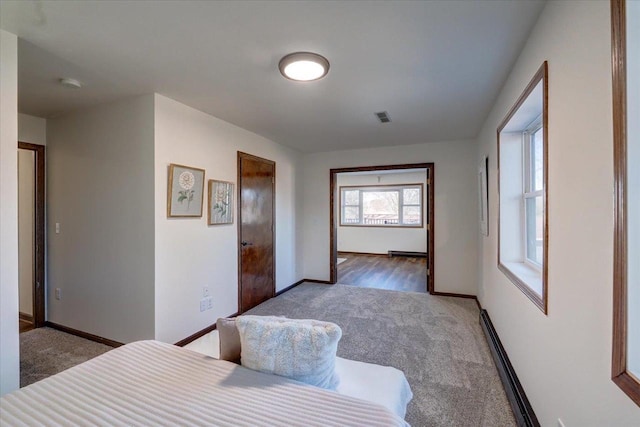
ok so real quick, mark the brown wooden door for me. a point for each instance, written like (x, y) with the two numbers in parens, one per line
(256, 230)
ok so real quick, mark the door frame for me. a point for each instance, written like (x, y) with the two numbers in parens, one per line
(39, 233)
(333, 226)
(242, 155)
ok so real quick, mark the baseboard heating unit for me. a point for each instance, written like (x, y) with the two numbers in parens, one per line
(522, 410)
(408, 254)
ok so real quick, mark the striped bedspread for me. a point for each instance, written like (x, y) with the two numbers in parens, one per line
(149, 383)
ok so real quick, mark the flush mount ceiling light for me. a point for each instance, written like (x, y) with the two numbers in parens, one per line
(70, 83)
(304, 66)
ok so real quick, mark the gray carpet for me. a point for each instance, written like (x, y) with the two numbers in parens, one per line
(46, 351)
(436, 341)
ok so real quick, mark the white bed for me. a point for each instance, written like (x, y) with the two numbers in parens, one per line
(384, 385)
(152, 383)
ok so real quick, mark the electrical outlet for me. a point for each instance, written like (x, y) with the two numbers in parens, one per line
(57, 228)
(205, 292)
(203, 305)
(209, 303)
(560, 423)
(58, 293)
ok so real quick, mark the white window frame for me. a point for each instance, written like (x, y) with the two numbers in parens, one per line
(399, 188)
(528, 192)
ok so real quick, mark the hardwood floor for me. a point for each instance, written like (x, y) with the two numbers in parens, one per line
(379, 271)
(25, 326)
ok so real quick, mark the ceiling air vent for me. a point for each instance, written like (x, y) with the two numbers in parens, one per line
(383, 116)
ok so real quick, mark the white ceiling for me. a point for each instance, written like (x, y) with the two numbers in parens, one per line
(435, 66)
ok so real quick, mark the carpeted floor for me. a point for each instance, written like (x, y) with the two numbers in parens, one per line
(46, 351)
(436, 341)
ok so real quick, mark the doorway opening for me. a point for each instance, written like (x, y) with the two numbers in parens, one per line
(381, 221)
(31, 235)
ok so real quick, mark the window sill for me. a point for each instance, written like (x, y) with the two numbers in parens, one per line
(528, 275)
(528, 279)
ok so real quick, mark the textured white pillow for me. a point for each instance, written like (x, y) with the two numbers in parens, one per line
(303, 350)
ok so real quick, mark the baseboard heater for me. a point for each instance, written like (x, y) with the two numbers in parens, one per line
(522, 410)
(409, 254)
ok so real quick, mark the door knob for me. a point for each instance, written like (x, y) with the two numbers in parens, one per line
(245, 243)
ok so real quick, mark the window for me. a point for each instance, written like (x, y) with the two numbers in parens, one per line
(533, 193)
(381, 206)
(625, 366)
(522, 188)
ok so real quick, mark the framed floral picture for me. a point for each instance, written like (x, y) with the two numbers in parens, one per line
(185, 192)
(220, 202)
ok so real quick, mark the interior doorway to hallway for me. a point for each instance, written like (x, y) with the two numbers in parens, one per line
(31, 235)
(381, 221)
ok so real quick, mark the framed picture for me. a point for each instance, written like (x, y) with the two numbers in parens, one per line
(220, 202)
(185, 192)
(483, 183)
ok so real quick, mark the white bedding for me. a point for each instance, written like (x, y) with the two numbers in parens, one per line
(384, 385)
(152, 383)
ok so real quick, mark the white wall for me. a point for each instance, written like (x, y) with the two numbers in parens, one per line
(380, 240)
(456, 210)
(189, 254)
(32, 129)
(100, 177)
(26, 219)
(9, 341)
(564, 359)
